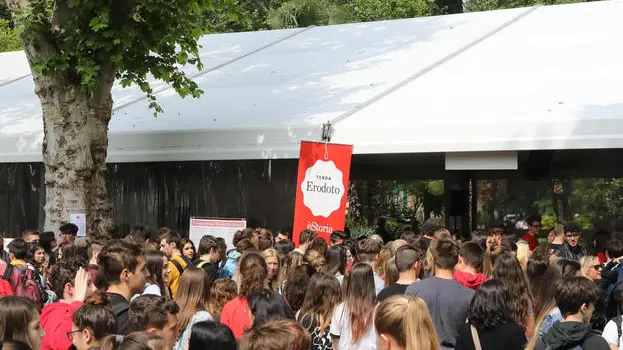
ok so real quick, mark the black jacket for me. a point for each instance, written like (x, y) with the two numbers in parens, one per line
(566, 335)
(509, 336)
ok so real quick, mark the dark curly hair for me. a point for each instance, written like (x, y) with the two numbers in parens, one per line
(571, 226)
(508, 271)
(489, 308)
(64, 272)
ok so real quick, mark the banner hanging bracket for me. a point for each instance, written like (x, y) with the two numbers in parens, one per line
(327, 131)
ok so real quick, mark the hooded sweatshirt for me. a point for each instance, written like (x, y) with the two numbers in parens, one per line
(567, 335)
(56, 320)
(469, 280)
(230, 265)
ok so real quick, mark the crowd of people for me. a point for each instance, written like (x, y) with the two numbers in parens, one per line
(427, 290)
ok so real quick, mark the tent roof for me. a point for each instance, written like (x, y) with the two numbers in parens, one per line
(530, 78)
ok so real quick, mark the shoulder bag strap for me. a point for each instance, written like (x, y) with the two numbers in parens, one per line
(475, 338)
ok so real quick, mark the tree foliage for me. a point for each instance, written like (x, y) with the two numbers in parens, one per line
(9, 41)
(84, 39)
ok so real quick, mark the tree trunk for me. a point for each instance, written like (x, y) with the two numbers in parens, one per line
(74, 153)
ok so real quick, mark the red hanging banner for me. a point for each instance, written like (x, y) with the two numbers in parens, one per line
(322, 188)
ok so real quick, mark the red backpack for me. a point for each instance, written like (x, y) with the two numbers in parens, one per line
(23, 282)
(5, 288)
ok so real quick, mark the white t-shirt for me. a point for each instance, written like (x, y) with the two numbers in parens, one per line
(611, 334)
(340, 326)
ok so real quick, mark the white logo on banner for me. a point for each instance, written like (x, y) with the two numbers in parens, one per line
(323, 188)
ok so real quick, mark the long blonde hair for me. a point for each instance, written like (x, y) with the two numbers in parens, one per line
(407, 320)
(275, 282)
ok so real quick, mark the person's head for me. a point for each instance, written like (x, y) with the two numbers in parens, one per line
(14, 345)
(534, 224)
(508, 270)
(316, 259)
(95, 247)
(188, 249)
(268, 305)
(18, 249)
(223, 291)
(368, 250)
(170, 242)
(67, 250)
(471, 255)
(614, 248)
(134, 341)
(591, 268)
(335, 256)
(156, 266)
(192, 295)
(209, 249)
(47, 241)
(407, 259)
(122, 264)
(495, 234)
(337, 238)
(274, 334)
(545, 293)
(489, 308)
(445, 254)
(600, 240)
(296, 285)
(573, 233)
(323, 294)
(305, 238)
(535, 272)
(140, 234)
(19, 321)
(69, 232)
(36, 253)
(360, 295)
(253, 273)
(273, 263)
(211, 335)
(63, 276)
(577, 296)
(91, 322)
(285, 234)
(404, 322)
(284, 247)
(156, 315)
(30, 236)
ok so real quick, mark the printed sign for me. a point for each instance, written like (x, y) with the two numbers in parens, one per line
(322, 188)
(220, 227)
(79, 220)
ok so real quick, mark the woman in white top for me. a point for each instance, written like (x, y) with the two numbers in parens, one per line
(359, 304)
(156, 264)
(193, 299)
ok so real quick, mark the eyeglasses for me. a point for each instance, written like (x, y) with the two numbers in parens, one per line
(573, 235)
(70, 335)
(597, 267)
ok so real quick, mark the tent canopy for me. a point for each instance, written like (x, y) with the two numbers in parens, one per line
(520, 79)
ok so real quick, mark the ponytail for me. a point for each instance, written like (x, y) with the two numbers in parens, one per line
(111, 342)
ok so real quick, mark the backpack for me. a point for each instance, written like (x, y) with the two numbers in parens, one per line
(178, 266)
(613, 294)
(24, 282)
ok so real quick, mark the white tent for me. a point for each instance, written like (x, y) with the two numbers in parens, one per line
(521, 79)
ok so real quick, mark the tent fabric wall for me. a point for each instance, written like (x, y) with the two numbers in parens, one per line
(529, 78)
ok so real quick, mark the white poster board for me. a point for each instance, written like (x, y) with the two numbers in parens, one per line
(217, 227)
(80, 220)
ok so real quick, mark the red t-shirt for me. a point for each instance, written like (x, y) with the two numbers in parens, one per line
(532, 242)
(602, 257)
(237, 316)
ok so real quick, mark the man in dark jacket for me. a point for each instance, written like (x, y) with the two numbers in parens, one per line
(576, 298)
(572, 249)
